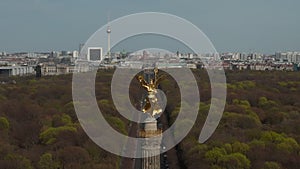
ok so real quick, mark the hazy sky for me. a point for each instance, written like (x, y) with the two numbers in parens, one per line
(232, 25)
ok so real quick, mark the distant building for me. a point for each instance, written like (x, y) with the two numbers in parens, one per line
(3, 53)
(291, 57)
(16, 70)
(64, 53)
(57, 69)
(80, 47)
(94, 54)
(54, 54)
(75, 54)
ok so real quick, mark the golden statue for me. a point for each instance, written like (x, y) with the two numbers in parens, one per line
(151, 105)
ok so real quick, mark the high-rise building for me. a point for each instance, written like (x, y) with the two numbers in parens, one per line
(94, 54)
(80, 47)
(75, 54)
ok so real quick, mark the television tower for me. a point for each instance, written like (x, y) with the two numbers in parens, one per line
(108, 40)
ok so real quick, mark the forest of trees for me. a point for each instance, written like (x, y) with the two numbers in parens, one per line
(259, 128)
(39, 128)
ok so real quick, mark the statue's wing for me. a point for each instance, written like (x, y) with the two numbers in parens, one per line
(158, 80)
(143, 83)
(141, 80)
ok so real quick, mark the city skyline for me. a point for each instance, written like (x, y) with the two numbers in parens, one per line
(232, 26)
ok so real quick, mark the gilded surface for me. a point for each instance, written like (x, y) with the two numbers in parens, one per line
(151, 106)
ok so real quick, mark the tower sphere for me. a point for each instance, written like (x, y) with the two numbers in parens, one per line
(108, 30)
